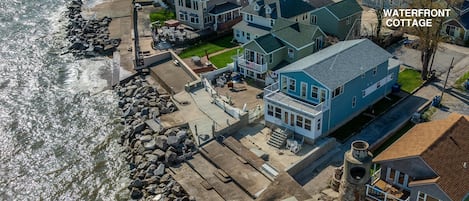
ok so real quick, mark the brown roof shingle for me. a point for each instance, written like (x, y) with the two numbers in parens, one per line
(444, 146)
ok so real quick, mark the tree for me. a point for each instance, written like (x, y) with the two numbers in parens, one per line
(429, 36)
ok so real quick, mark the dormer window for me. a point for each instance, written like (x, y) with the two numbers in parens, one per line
(256, 7)
(268, 10)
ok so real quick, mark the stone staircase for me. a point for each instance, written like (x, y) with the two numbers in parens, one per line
(278, 137)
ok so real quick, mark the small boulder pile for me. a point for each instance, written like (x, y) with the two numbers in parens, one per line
(88, 37)
(150, 153)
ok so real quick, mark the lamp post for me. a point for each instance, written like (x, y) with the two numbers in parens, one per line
(446, 80)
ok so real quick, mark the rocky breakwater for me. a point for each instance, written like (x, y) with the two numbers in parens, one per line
(151, 151)
(88, 37)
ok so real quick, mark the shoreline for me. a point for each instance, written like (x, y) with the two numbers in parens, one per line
(150, 149)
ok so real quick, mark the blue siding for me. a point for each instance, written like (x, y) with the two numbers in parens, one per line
(302, 77)
(341, 106)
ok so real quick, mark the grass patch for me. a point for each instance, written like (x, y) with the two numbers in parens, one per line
(210, 46)
(459, 83)
(162, 15)
(221, 60)
(409, 80)
(393, 138)
(350, 127)
(426, 116)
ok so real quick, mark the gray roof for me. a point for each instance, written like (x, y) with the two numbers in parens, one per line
(251, 28)
(288, 8)
(269, 43)
(345, 8)
(294, 33)
(340, 63)
(221, 8)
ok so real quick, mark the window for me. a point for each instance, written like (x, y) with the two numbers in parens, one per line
(284, 83)
(307, 124)
(378, 84)
(323, 96)
(237, 33)
(303, 90)
(313, 19)
(349, 20)
(188, 3)
(271, 22)
(450, 30)
(248, 36)
(271, 58)
(314, 92)
(375, 70)
(285, 115)
(291, 53)
(338, 91)
(250, 73)
(354, 101)
(318, 124)
(278, 113)
(299, 121)
(363, 75)
(292, 84)
(181, 16)
(268, 10)
(270, 110)
(180, 3)
(243, 33)
(392, 174)
(319, 43)
(363, 93)
(292, 119)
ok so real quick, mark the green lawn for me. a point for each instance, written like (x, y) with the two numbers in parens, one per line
(162, 15)
(210, 46)
(409, 80)
(461, 80)
(393, 138)
(221, 60)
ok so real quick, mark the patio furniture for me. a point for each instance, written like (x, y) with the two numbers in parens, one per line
(196, 60)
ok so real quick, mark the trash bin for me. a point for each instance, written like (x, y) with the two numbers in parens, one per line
(436, 101)
(396, 88)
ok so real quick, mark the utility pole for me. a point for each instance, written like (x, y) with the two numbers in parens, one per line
(446, 80)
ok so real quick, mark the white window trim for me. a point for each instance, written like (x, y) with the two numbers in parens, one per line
(306, 90)
(289, 84)
(317, 92)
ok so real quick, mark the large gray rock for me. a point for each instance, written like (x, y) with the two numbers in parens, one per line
(151, 145)
(173, 141)
(146, 138)
(152, 158)
(139, 127)
(136, 194)
(162, 142)
(160, 170)
(159, 153)
(170, 157)
(181, 136)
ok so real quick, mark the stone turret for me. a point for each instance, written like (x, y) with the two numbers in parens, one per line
(356, 172)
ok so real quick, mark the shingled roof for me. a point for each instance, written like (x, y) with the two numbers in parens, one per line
(345, 8)
(444, 146)
(341, 62)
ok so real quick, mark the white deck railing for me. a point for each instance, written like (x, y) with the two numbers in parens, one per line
(259, 68)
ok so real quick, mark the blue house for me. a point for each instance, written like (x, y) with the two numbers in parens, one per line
(319, 93)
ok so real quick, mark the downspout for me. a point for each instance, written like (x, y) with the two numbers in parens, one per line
(329, 115)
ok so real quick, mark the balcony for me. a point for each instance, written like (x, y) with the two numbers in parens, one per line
(273, 94)
(259, 68)
(382, 191)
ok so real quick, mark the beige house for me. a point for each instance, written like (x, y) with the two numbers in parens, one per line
(428, 163)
